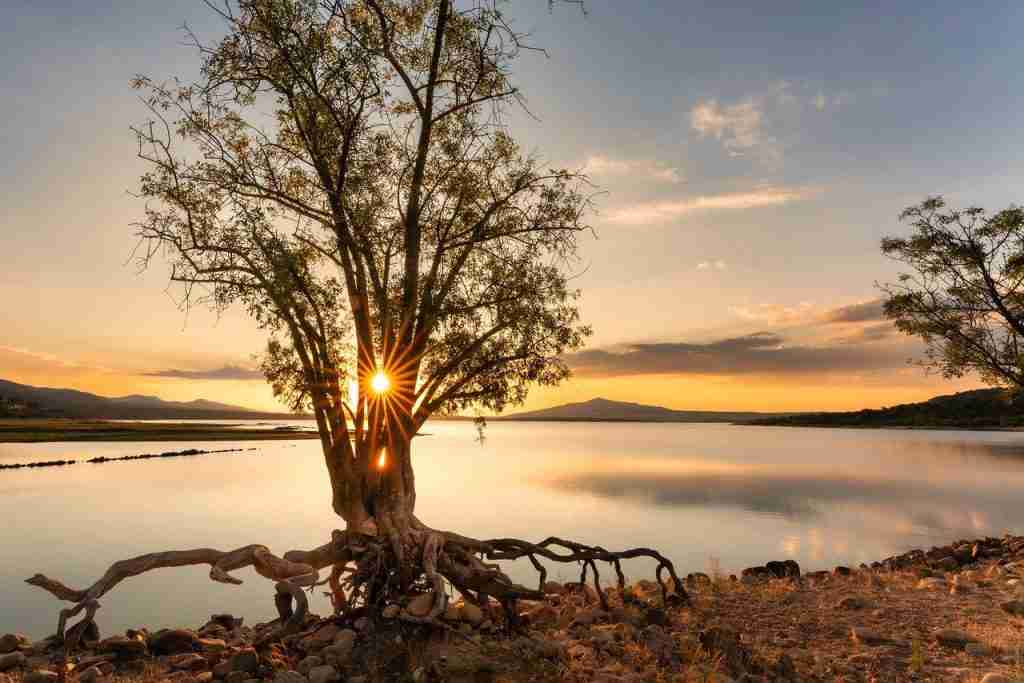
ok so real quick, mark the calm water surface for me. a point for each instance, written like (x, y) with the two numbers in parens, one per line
(703, 494)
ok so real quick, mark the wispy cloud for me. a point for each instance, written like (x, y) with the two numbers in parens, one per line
(646, 213)
(767, 353)
(642, 169)
(712, 265)
(866, 311)
(229, 372)
(737, 126)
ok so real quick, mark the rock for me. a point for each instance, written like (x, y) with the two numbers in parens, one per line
(40, 676)
(588, 617)
(211, 645)
(289, 677)
(853, 602)
(391, 611)
(9, 642)
(754, 573)
(554, 588)
(947, 564)
(464, 663)
(222, 669)
(421, 605)
(319, 638)
(11, 660)
(245, 660)
(310, 663)
(204, 677)
(341, 649)
(721, 640)
(865, 636)
(187, 662)
(471, 614)
(978, 649)
(324, 674)
(542, 615)
(237, 677)
(123, 647)
(172, 641)
(1014, 607)
(952, 638)
(656, 616)
(841, 571)
(695, 579)
(90, 675)
(784, 569)
(931, 584)
(998, 678)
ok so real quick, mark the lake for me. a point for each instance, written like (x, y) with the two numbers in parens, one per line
(706, 495)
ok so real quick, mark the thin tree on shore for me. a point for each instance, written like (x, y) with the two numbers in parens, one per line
(343, 170)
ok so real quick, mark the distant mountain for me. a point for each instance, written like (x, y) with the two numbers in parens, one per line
(21, 400)
(603, 410)
(978, 409)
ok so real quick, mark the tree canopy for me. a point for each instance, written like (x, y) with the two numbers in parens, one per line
(964, 295)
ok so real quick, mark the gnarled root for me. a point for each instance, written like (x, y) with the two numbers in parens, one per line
(378, 570)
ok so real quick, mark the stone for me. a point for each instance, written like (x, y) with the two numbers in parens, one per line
(853, 602)
(187, 662)
(237, 677)
(245, 660)
(289, 677)
(420, 605)
(931, 583)
(222, 669)
(998, 678)
(172, 641)
(211, 645)
(324, 674)
(204, 677)
(656, 616)
(978, 649)
(90, 675)
(391, 611)
(9, 642)
(12, 660)
(553, 588)
(123, 647)
(471, 614)
(866, 636)
(310, 663)
(841, 571)
(947, 564)
(1014, 607)
(784, 569)
(721, 640)
(40, 676)
(542, 615)
(320, 638)
(952, 638)
(587, 617)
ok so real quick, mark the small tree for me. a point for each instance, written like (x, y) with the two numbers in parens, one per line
(343, 170)
(965, 297)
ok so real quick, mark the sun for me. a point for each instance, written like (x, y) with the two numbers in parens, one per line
(380, 382)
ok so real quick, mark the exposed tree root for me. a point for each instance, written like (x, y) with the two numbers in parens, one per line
(377, 571)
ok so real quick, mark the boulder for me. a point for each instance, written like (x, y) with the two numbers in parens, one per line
(866, 636)
(319, 638)
(9, 642)
(954, 639)
(172, 641)
(310, 663)
(123, 647)
(245, 660)
(11, 660)
(187, 662)
(40, 676)
(324, 674)
(420, 605)
(471, 614)
(853, 602)
(211, 645)
(784, 569)
(1014, 607)
(289, 677)
(841, 571)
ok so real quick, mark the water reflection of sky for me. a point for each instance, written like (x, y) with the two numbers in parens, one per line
(700, 493)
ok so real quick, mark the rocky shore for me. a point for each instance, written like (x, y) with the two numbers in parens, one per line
(954, 613)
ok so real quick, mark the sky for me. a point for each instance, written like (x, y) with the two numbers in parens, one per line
(750, 157)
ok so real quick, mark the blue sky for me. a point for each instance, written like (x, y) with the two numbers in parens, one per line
(751, 156)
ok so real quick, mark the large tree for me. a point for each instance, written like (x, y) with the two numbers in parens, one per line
(964, 296)
(343, 170)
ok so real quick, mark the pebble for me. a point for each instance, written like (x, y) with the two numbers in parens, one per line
(324, 674)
